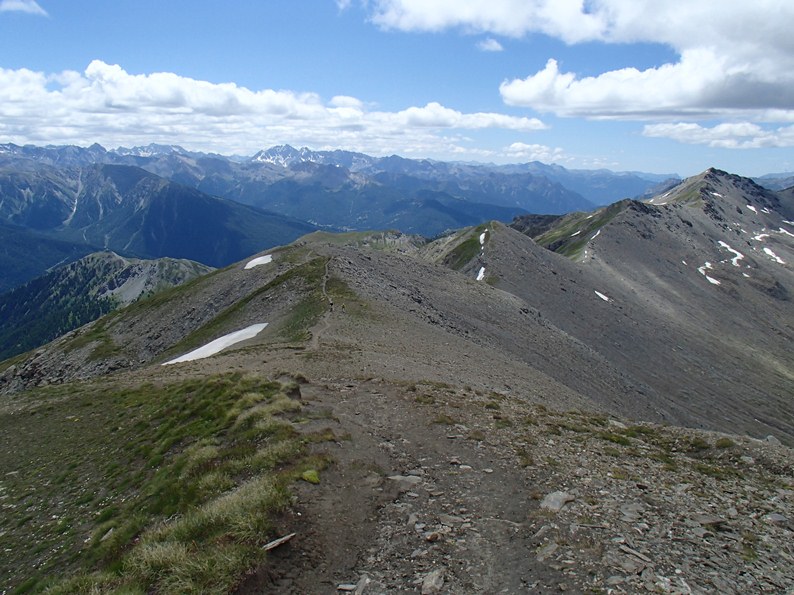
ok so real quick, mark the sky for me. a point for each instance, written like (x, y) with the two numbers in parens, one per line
(662, 86)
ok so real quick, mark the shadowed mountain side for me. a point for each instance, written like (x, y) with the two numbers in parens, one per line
(26, 254)
(75, 294)
(131, 211)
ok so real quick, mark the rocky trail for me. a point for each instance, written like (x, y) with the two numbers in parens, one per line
(439, 488)
(433, 489)
(436, 486)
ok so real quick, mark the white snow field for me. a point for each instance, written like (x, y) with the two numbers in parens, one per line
(481, 274)
(219, 344)
(601, 295)
(260, 260)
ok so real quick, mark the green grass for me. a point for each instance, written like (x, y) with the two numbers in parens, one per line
(463, 253)
(309, 275)
(162, 489)
(560, 238)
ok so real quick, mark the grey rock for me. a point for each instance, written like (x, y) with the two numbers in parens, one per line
(433, 582)
(776, 518)
(405, 482)
(546, 551)
(556, 500)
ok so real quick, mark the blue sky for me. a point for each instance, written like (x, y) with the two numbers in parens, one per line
(653, 85)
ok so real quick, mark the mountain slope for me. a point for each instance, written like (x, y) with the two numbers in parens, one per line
(400, 425)
(131, 211)
(26, 254)
(695, 297)
(75, 294)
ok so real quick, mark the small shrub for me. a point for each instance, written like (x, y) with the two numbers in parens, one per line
(444, 420)
(614, 438)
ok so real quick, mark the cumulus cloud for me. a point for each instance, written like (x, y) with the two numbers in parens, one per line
(527, 152)
(737, 135)
(108, 105)
(735, 58)
(28, 6)
(435, 115)
(489, 45)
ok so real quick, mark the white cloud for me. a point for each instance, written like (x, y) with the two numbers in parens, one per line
(735, 58)
(29, 6)
(527, 152)
(513, 18)
(489, 45)
(108, 105)
(738, 135)
(435, 115)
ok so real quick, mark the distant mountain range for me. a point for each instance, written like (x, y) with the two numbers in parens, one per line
(61, 202)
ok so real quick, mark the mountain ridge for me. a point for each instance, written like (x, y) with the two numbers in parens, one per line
(541, 407)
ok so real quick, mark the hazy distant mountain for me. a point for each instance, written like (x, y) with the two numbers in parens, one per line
(532, 187)
(75, 294)
(776, 181)
(131, 211)
(25, 254)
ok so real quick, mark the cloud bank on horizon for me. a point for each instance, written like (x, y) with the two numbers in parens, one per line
(730, 87)
(105, 102)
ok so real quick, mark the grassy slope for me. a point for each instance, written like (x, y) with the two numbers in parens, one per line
(170, 488)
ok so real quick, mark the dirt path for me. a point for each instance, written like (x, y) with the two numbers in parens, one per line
(408, 503)
(322, 326)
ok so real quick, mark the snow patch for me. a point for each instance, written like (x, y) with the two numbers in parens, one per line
(735, 260)
(595, 235)
(482, 237)
(683, 262)
(576, 233)
(601, 295)
(481, 274)
(788, 222)
(774, 256)
(257, 261)
(753, 209)
(702, 270)
(786, 232)
(219, 344)
(717, 194)
(760, 237)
